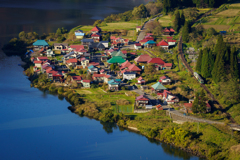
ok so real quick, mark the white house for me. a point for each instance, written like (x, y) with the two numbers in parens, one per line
(129, 75)
(165, 80)
(137, 46)
(105, 43)
(50, 53)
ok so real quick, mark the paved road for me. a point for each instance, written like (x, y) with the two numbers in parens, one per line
(142, 32)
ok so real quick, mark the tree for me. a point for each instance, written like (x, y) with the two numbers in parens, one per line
(112, 67)
(140, 11)
(195, 103)
(182, 20)
(22, 35)
(154, 27)
(185, 32)
(150, 68)
(202, 102)
(218, 72)
(176, 25)
(97, 22)
(207, 63)
(199, 62)
(234, 70)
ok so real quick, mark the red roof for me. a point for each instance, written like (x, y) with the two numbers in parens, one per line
(48, 70)
(53, 72)
(77, 47)
(125, 64)
(142, 58)
(144, 40)
(166, 30)
(167, 64)
(42, 58)
(172, 30)
(138, 27)
(189, 105)
(98, 75)
(102, 70)
(133, 67)
(142, 98)
(149, 38)
(138, 44)
(124, 52)
(112, 37)
(86, 81)
(95, 35)
(74, 60)
(156, 61)
(163, 77)
(37, 62)
(32, 57)
(140, 78)
(162, 43)
(77, 78)
(96, 28)
(126, 40)
(170, 40)
(133, 53)
(149, 34)
(57, 75)
(93, 63)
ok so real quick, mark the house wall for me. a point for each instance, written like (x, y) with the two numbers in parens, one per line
(38, 65)
(129, 76)
(79, 37)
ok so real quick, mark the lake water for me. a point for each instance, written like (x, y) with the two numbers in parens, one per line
(37, 125)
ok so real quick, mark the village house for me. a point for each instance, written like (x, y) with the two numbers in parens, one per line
(38, 64)
(42, 59)
(105, 43)
(78, 79)
(104, 58)
(118, 54)
(167, 66)
(159, 107)
(138, 28)
(188, 107)
(141, 101)
(79, 34)
(165, 80)
(96, 46)
(137, 46)
(129, 75)
(159, 63)
(141, 81)
(50, 53)
(158, 88)
(71, 62)
(163, 44)
(96, 37)
(92, 69)
(113, 85)
(116, 59)
(84, 62)
(98, 78)
(150, 44)
(86, 83)
(168, 97)
(142, 42)
(40, 44)
(167, 31)
(95, 30)
(107, 78)
(87, 42)
(144, 58)
(57, 78)
(125, 65)
(171, 42)
(134, 68)
(60, 46)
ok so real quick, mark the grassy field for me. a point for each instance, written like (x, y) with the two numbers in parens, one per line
(113, 26)
(165, 21)
(223, 19)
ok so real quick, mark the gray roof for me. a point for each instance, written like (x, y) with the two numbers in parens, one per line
(58, 44)
(97, 45)
(87, 40)
(69, 54)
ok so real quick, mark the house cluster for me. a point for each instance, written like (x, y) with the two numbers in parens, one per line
(188, 106)
(149, 42)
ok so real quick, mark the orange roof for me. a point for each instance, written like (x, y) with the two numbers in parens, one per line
(74, 60)
(133, 67)
(162, 43)
(96, 28)
(98, 75)
(37, 62)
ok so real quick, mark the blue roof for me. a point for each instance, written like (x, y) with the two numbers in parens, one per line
(87, 40)
(113, 82)
(150, 42)
(158, 86)
(90, 67)
(40, 43)
(79, 34)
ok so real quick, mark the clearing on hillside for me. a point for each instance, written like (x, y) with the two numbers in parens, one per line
(229, 12)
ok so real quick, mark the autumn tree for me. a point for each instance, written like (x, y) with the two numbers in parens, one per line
(140, 11)
(154, 27)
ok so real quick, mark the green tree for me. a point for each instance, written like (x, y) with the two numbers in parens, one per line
(234, 70)
(176, 25)
(202, 102)
(185, 32)
(207, 63)
(199, 62)
(140, 11)
(112, 67)
(182, 20)
(195, 104)
(218, 72)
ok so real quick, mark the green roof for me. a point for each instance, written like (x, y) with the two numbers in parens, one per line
(114, 53)
(119, 53)
(116, 59)
(40, 43)
(158, 86)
